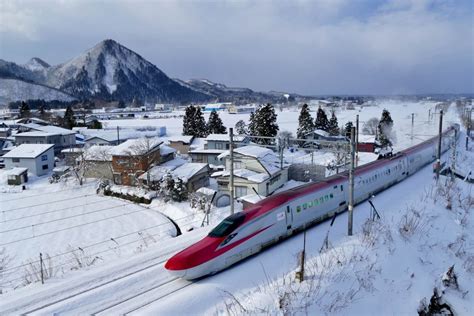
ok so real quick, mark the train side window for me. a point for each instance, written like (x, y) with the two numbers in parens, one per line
(342, 188)
(326, 198)
(298, 209)
(335, 187)
(331, 195)
(310, 204)
(316, 202)
(305, 206)
(321, 200)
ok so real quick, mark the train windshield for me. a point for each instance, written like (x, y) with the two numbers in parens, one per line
(228, 225)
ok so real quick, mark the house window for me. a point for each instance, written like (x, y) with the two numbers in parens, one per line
(45, 167)
(240, 191)
(219, 146)
(44, 157)
(117, 178)
(15, 159)
(238, 165)
(227, 146)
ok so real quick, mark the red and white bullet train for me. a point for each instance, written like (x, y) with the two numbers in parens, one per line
(281, 215)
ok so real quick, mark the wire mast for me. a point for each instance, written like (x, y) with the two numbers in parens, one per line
(231, 178)
(351, 183)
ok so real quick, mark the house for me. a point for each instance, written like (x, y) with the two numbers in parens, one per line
(194, 175)
(32, 120)
(5, 132)
(216, 106)
(209, 156)
(366, 143)
(134, 157)
(222, 141)
(256, 170)
(156, 173)
(6, 144)
(17, 176)
(38, 158)
(46, 134)
(100, 141)
(116, 136)
(326, 103)
(97, 162)
(181, 143)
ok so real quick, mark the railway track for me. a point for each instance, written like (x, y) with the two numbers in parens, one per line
(140, 300)
(89, 289)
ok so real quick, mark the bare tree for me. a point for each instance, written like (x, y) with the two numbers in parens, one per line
(370, 127)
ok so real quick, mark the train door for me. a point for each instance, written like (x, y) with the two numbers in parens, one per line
(289, 219)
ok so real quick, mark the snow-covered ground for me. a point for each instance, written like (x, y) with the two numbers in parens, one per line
(381, 269)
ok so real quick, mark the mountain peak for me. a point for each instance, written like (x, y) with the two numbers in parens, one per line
(36, 64)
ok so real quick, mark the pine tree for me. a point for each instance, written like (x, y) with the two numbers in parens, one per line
(321, 121)
(179, 192)
(241, 128)
(251, 129)
(347, 129)
(25, 110)
(193, 122)
(305, 123)
(385, 129)
(42, 112)
(263, 123)
(333, 125)
(69, 121)
(215, 125)
(167, 187)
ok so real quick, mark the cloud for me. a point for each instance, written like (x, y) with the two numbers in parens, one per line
(311, 47)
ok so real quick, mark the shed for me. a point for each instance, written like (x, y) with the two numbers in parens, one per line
(17, 176)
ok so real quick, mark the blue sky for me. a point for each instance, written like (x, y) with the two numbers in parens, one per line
(308, 47)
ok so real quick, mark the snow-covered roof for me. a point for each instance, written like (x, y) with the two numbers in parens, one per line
(206, 191)
(137, 146)
(181, 138)
(321, 132)
(28, 150)
(198, 143)
(366, 138)
(166, 150)
(253, 151)
(188, 170)
(35, 134)
(16, 171)
(207, 151)
(158, 172)
(110, 135)
(50, 129)
(250, 175)
(98, 153)
(251, 198)
(224, 138)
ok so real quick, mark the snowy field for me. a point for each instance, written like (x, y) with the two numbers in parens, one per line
(288, 120)
(96, 240)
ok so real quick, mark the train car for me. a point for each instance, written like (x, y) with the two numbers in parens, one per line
(281, 215)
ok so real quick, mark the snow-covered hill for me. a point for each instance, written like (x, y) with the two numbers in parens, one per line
(17, 90)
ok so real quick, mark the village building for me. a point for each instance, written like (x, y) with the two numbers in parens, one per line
(181, 143)
(366, 143)
(257, 170)
(46, 134)
(215, 145)
(37, 158)
(136, 156)
(194, 175)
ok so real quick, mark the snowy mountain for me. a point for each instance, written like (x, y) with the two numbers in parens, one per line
(107, 71)
(222, 92)
(111, 71)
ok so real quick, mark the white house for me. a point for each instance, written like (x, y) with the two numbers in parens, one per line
(257, 170)
(38, 158)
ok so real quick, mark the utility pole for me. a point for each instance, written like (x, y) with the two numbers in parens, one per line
(440, 136)
(468, 130)
(118, 135)
(41, 268)
(357, 140)
(351, 183)
(453, 155)
(412, 125)
(429, 115)
(231, 182)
